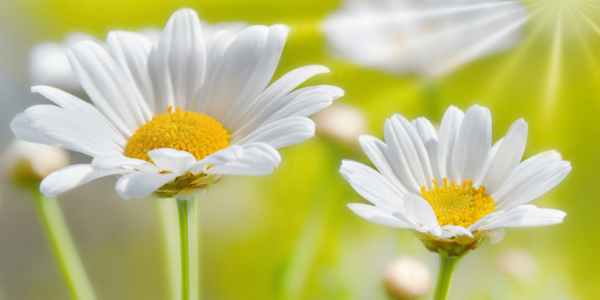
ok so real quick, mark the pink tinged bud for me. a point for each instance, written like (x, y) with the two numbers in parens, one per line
(407, 278)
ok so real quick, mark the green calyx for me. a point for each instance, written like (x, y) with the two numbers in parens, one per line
(450, 249)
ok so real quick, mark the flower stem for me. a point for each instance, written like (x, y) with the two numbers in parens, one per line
(64, 248)
(167, 216)
(190, 250)
(447, 266)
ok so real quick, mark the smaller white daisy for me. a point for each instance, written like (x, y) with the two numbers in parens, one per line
(455, 187)
(175, 116)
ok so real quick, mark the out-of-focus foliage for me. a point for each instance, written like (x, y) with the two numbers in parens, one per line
(289, 235)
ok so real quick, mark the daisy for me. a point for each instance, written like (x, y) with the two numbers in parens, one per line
(178, 116)
(455, 187)
(426, 38)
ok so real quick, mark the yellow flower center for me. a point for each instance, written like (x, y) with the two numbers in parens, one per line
(458, 204)
(195, 133)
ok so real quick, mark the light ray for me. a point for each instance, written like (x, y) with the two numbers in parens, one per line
(501, 77)
(595, 70)
(589, 4)
(479, 48)
(594, 26)
(552, 81)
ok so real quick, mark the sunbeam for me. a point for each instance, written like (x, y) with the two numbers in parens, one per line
(552, 81)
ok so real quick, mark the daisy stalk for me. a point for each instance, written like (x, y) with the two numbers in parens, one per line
(63, 246)
(190, 248)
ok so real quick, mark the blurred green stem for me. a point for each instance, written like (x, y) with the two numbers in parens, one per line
(447, 266)
(167, 216)
(64, 248)
(190, 250)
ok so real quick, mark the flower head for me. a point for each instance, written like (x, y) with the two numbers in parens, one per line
(176, 116)
(27, 164)
(427, 38)
(455, 187)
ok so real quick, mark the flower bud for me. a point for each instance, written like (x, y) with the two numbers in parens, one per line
(342, 122)
(28, 163)
(407, 278)
(518, 264)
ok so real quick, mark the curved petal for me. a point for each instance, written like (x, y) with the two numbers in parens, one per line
(397, 158)
(247, 159)
(175, 161)
(473, 144)
(419, 210)
(140, 185)
(429, 138)
(372, 186)
(375, 215)
(73, 176)
(242, 73)
(458, 230)
(105, 83)
(300, 103)
(376, 150)
(114, 162)
(282, 133)
(131, 50)
(23, 131)
(177, 64)
(507, 158)
(447, 141)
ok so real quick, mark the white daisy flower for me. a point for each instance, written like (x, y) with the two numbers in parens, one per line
(427, 38)
(49, 65)
(176, 117)
(454, 187)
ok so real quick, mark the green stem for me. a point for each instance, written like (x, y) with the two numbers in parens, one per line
(167, 216)
(447, 266)
(190, 250)
(64, 248)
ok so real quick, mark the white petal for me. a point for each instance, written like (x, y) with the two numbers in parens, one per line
(375, 215)
(242, 73)
(23, 131)
(140, 185)
(73, 176)
(528, 168)
(496, 235)
(178, 63)
(247, 159)
(113, 162)
(130, 50)
(282, 133)
(429, 138)
(419, 210)
(175, 161)
(507, 158)
(376, 150)
(475, 226)
(300, 103)
(68, 130)
(107, 86)
(372, 186)
(507, 219)
(413, 150)
(533, 187)
(473, 144)
(447, 141)
(397, 160)
(458, 230)
(542, 217)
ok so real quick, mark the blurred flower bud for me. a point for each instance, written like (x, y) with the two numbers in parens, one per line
(26, 163)
(342, 122)
(518, 264)
(407, 278)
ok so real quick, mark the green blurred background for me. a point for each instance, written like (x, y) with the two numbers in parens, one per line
(289, 235)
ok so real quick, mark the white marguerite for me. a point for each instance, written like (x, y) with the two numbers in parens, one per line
(175, 117)
(455, 187)
(427, 38)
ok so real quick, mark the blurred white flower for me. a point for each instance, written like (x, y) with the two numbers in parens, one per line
(427, 38)
(48, 63)
(518, 264)
(342, 122)
(33, 161)
(407, 278)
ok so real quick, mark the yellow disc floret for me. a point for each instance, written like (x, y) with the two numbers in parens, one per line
(458, 204)
(195, 133)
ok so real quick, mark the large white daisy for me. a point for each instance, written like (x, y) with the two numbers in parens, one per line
(455, 187)
(175, 117)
